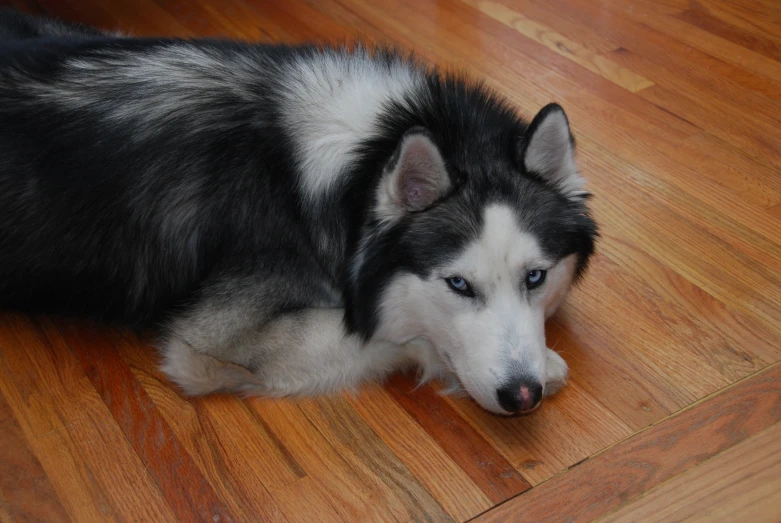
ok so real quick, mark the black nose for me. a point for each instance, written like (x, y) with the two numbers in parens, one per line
(520, 396)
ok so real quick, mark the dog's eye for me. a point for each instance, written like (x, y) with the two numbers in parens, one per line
(535, 278)
(460, 285)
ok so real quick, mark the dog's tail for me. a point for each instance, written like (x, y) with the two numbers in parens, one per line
(15, 25)
(198, 374)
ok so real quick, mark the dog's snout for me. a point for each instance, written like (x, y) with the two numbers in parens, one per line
(520, 396)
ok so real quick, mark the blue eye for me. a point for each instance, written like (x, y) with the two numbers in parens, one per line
(460, 285)
(535, 278)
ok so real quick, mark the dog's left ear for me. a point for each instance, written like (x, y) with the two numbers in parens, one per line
(414, 178)
(548, 150)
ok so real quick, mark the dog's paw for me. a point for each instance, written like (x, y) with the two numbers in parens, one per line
(557, 372)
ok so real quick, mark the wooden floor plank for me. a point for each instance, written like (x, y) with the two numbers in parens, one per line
(222, 436)
(741, 483)
(562, 45)
(85, 455)
(706, 41)
(358, 490)
(692, 252)
(371, 458)
(739, 36)
(761, 17)
(163, 456)
(497, 478)
(651, 457)
(692, 81)
(542, 445)
(676, 108)
(420, 453)
(25, 490)
(306, 500)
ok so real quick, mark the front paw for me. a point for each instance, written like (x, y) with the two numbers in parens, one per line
(556, 375)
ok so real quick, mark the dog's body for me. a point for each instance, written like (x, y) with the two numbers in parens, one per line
(297, 219)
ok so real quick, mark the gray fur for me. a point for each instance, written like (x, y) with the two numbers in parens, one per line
(291, 219)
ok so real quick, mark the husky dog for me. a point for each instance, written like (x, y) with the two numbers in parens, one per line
(294, 219)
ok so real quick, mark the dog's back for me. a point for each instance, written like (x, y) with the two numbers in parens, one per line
(131, 168)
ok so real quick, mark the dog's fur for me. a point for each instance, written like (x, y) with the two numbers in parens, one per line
(296, 219)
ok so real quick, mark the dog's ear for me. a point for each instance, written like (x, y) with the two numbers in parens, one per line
(414, 178)
(548, 151)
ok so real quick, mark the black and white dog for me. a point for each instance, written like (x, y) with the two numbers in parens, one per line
(294, 219)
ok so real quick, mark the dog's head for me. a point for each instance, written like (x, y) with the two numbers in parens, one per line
(473, 250)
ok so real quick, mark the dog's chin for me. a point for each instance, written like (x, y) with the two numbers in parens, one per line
(505, 414)
(493, 408)
(453, 386)
(499, 411)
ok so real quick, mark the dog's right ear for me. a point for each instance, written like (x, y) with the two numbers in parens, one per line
(548, 150)
(414, 178)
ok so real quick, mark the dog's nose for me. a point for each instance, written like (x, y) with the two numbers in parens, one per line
(520, 396)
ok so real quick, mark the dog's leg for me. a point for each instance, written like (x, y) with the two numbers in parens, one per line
(296, 353)
(556, 373)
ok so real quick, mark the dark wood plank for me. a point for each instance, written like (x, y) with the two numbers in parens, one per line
(70, 430)
(189, 495)
(24, 484)
(488, 469)
(704, 20)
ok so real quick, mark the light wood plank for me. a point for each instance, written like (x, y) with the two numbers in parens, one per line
(420, 453)
(370, 457)
(541, 445)
(562, 45)
(152, 439)
(356, 479)
(218, 436)
(648, 459)
(69, 429)
(683, 299)
(741, 483)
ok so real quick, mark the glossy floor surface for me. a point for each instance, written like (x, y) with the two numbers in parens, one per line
(674, 339)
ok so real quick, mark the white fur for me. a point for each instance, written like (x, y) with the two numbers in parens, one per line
(304, 353)
(550, 153)
(176, 81)
(331, 103)
(489, 340)
(482, 342)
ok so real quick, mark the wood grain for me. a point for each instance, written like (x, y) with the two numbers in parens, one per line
(70, 429)
(487, 468)
(653, 456)
(460, 495)
(770, 47)
(152, 438)
(27, 493)
(743, 482)
(673, 339)
(559, 44)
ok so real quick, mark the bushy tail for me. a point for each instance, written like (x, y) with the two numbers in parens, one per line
(198, 374)
(15, 25)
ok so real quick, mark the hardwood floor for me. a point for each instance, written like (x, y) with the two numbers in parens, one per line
(674, 339)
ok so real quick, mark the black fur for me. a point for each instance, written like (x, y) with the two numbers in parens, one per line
(100, 219)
